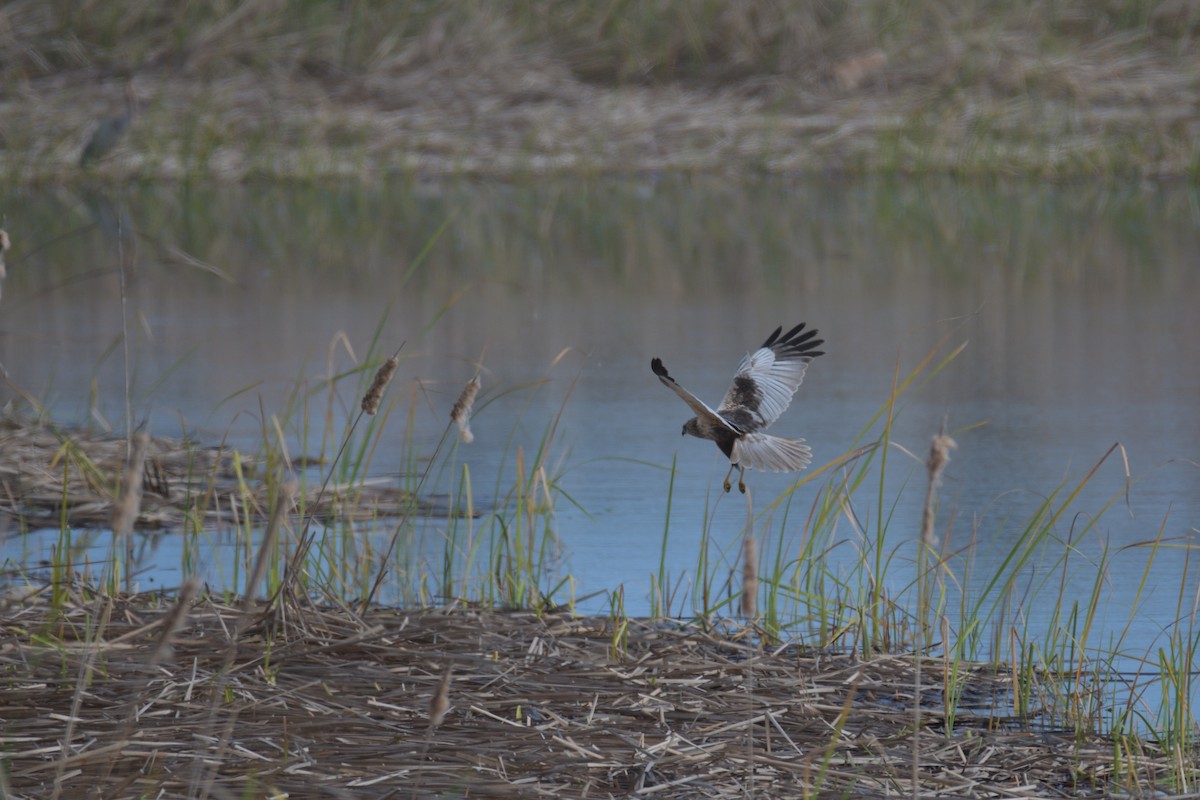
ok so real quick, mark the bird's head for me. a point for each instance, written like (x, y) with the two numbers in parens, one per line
(692, 427)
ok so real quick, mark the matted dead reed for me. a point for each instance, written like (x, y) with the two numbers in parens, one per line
(53, 475)
(324, 702)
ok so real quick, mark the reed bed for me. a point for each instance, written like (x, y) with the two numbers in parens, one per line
(134, 695)
(53, 475)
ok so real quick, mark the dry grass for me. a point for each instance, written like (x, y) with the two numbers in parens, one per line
(327, 703)
(299, 89)
(52, 475)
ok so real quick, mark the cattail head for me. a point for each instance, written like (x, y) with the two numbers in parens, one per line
(939, 455)
(460, 415)
(371, 400)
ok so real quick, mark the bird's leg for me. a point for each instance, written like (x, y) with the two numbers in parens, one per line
(727, 474)
(742, 480)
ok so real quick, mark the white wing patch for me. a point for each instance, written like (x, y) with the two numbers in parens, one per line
(775, 383)
(771, 453)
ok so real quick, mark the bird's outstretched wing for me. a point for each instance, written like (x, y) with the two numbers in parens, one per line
(767, 379)
(695, 403)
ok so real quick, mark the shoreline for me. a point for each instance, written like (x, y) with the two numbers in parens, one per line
(1050, 94)
(189, 131)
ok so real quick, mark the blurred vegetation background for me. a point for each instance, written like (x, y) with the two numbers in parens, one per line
(308, 88)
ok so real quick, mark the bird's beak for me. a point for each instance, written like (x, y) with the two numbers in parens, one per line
(683, 431)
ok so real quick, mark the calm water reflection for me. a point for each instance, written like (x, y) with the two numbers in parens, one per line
(1077, 303)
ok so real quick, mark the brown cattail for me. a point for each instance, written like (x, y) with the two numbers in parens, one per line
(460, 415)
(939, 457)
(750, 577)
(370, 401)
(439, 703)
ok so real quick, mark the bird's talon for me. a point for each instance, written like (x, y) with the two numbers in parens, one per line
(742, 487)
(729, 486)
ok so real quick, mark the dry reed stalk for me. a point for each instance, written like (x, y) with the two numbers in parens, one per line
(5, 244)
(460, 415)
(83, 680)
(939, 456)
(283, 504)
(206, 772)
(159, 652)
(749, 604)
(129, 503)
(383, 376)
(173, 621)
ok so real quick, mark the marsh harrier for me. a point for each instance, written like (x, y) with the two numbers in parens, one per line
(762, 390)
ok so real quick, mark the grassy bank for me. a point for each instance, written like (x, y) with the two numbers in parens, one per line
(307, 90)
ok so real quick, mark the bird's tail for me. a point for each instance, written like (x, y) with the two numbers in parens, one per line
(771, 453)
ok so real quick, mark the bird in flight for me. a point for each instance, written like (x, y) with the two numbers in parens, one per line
(762, 390)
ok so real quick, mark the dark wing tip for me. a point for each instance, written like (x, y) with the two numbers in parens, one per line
(788, 336)
(659, 370)
(798, 343)
(792, 338)
(771, 339)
